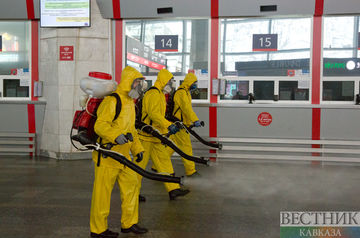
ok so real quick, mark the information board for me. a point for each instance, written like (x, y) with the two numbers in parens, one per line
(265, 42)
(142, 54)
(64, 13)
(167, 43)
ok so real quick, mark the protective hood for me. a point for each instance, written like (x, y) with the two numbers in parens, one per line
(163, 78)
(128, 75)
(190, 78)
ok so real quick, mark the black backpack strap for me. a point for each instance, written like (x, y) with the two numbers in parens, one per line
(179, 106)
(118, 105)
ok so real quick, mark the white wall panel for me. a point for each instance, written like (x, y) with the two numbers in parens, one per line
(342, 7)
(148, 9)
(106, 8)
(252, 7)
(13, 9)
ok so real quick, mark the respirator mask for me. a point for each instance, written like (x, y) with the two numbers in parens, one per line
(169, 86)
(193, 87)
(137, 88)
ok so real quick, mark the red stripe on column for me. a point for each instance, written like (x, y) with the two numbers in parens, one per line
(316, 119)
(316, 61)
(34, 56)
(30, 9)
(31, 122)
(212, 124)
(319, 7)
(214, 55)
(116, 9)
(316, 74)
(215, 8)
(118, 49)
(214, 64)
(316, 125)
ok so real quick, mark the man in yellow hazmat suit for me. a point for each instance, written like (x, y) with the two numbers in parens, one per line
(153, 113)
(184, 112)
(108, 170)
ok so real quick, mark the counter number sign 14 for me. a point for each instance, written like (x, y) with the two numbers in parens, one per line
(265, 42)
(164, 43)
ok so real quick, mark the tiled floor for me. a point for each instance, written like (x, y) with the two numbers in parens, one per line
(45, 198)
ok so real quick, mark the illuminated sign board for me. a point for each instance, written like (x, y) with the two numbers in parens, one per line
(341, 67)
(64, 13)
(265, 42)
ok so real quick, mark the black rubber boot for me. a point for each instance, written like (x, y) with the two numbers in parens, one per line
(142, 198)
(135, 229)
(105, 234)
(178, 193)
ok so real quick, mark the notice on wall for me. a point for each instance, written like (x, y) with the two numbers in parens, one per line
(265, 42)
(67, 53)
(264, 119)
(24, 82)
(304, 84)
(203, 83)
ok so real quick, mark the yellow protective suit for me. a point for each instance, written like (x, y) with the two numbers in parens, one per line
(153, 110)
(110, 170)
(184, 112)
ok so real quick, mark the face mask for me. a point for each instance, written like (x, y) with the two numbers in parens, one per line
(137, 88)
(169, 86)
(167, 89)
(193, 87)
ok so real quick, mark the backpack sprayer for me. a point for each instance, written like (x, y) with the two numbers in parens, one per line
(82, 139)
(99, 85)
(202, 140)
(166, 141)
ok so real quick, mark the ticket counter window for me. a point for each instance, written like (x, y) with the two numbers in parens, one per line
(15, 59)
(338, 91)
(12, 88)
(236, 90)
(289, 90)
(264, 90)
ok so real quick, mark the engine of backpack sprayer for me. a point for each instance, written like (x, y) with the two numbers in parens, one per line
(96, 86)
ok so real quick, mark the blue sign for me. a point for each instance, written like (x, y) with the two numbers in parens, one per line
(265, 42)
(166, 43)
(0, 43)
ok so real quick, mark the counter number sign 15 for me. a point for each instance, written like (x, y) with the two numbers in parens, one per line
(265, 42)
(164, 43)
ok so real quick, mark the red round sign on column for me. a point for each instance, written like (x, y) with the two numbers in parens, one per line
(264, 118)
